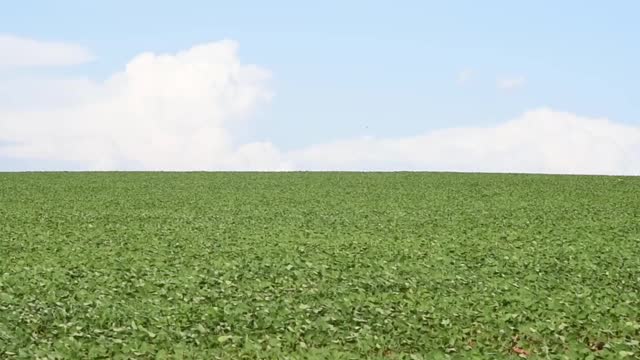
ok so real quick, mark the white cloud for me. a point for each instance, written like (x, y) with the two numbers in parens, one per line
(178, 112)
(163, 112)
(24, 92)
(23, 52)
(539, 141)
(511, 83)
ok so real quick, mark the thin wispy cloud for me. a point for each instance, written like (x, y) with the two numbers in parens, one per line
(465, 76)
(20, 52)
(511, 83)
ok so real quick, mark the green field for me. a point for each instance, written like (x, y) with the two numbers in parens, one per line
(319, 266)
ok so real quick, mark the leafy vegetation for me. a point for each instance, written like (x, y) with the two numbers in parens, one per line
(319, 266)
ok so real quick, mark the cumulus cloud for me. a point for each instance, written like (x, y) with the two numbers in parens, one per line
(179, 111)
(163, 112)
(511, 83)
(24, 52)
(539, 141)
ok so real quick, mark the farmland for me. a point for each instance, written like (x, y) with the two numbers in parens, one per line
(319, 266)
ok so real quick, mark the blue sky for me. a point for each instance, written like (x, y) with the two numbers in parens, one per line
(346, 70)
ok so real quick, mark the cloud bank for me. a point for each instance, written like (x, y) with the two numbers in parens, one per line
(539, 141)
(177, 112)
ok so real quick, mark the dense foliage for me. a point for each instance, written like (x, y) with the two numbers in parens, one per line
(319, 265)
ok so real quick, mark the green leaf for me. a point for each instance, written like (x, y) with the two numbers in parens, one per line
(224, 338)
